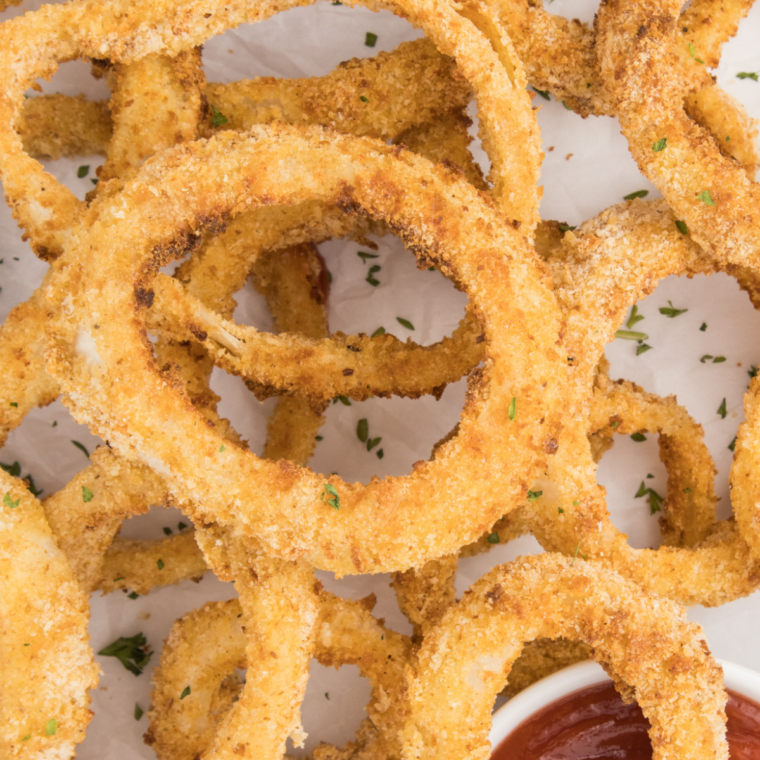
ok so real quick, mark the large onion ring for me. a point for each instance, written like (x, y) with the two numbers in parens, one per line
(507, 429)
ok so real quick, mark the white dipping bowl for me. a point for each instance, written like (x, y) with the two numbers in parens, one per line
(507, 718)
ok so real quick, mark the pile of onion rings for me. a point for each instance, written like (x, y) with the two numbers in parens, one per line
(237, 183)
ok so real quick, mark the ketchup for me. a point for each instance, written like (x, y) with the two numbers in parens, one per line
(594, 723)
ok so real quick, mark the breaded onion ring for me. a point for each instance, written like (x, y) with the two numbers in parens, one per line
(509, 422)
(47, 665)
(651, 651)
(637, 50)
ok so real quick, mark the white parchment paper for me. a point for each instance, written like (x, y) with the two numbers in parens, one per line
(587, 168)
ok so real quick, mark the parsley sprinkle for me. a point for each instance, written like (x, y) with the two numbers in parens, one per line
(332, 496)
(28, 736)
(181, 526)
(660, 145)
(706, 198)
(638, 437)
(566, 106)
(362, 430)
(637, 194)
(343, 400)
(747, 75)
(642, 349)
(51, 727)
(160, 564)
(370, 278)
(635, 317)
(94, 181)
(615, 423)
(8, 501)
(654, 499)
(370, 39)
(222, 449)
(82, 448)
(129, 651)
(566, 227)
(693, 54)
(380, 454)
(167, 531)
(703, 327)
(631, 335)
(534, 495)
(372, 442)
(576, 503)
(327, 695)
(493, 538)
(86, 494)
(363, 99)
(576, 553)
(319, 438)
(138, 711)
(513, 408)
(681, 227)
(686, 490)
(217, 117)
(543, 93)
(185, 692)
(732, 445)
(752, 371)
(670, 311)
(719, 359)
(705, 358)
(14, 404)
(83, 171)
(133, 595)
(363, 255)
(560, 510)
(379, 331)
(722, 409)
(405, 323)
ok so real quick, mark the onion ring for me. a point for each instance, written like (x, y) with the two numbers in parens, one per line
(710, 192)
(294, 502)
(673, 676)
(48, 667)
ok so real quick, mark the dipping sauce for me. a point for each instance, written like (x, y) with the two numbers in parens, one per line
(594, 723)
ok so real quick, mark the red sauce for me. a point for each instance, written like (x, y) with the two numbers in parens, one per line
(594, 724)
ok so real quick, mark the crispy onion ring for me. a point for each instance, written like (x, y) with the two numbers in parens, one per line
(206, 646)
(378, 526)
(47, 664)
(48, 211)
(672, 675)
(710, 192)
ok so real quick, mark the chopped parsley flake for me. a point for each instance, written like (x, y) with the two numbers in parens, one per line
(693, 54)
(82, 448)
(363, 255)
(133, 595)
(566, 227)
(370, 39)
(660, 145)
(129, 651)
(217, 117)
(635, 317)
(379, 331)
(364, 98)
(8, 501)
(167, 531)
(732, 445)
(631, 335)
(752, 371)
(637, 194)
(160, 564)
(576, 503)
(722, 409)
(51, 727)
(703, 327)
(222, 449)
(319, 438)
(638, 437)
(405, 323)
(332, 496)
(747, 75)
(642, 349)
(83, 171)
(380, 454)
(362, 430)
(654, 499)
(681, 227)
(543, 93)
(87, 494)
(670, 311)
(493, 538)
(138, 711)
(706, 198)
(181, 526)
(560, 510)
(94, 181)
(185, 692)
(513, 408)
(533, 495)
(370, 278)
(14, 404)
(343, 400)
(372, 442)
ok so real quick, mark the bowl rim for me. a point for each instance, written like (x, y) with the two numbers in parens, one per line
(507, 718)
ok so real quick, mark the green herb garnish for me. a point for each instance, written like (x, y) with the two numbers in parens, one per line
(722, 409)
(51, 727)
(512, 408)
(638, 437)
(660, 145)
(370, 39)
(185, 692)
(681, 227)
(670, 311)
(405, 323)
(217, 117)
(637, 194)
(82, 448)
(332, 496)
(87, 494)
(83, 171)
(631, 335)
(493, 538)
(635, 317)
(706, 198)
(747, 75)
(8, 501)
(129, 651)
(363, 255)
